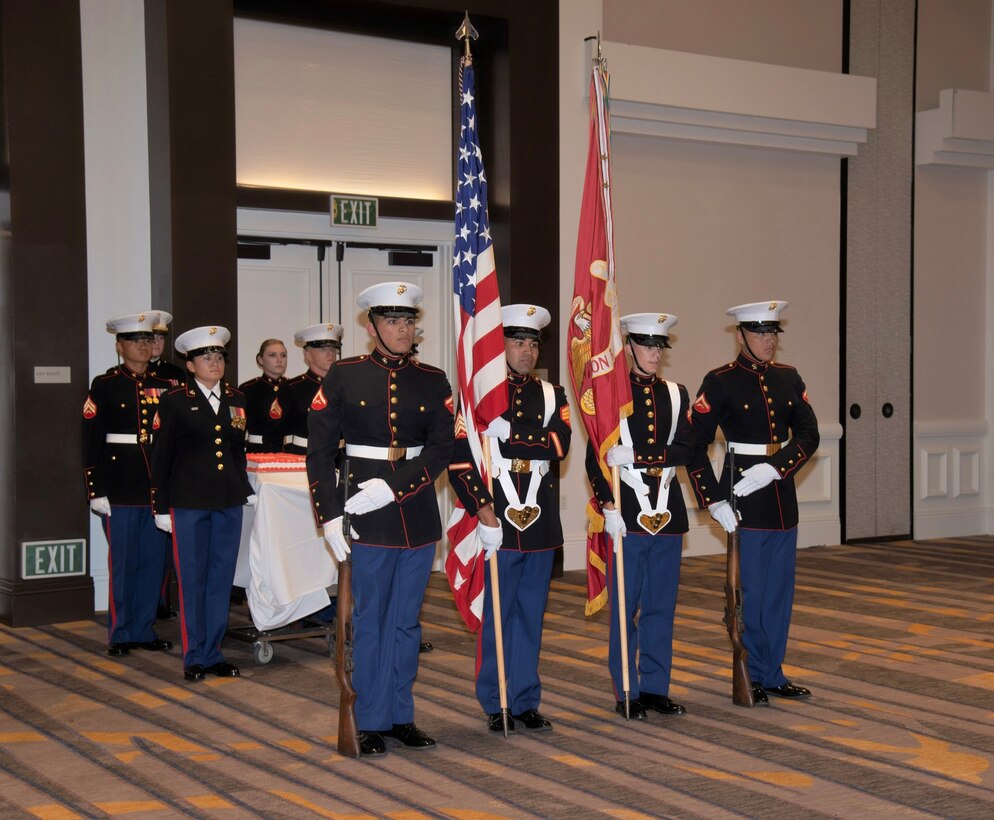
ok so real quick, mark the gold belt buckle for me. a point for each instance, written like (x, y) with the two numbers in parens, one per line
(144, 437)
(655, 472)
(396, 453)
(521, 465)
(773, 449)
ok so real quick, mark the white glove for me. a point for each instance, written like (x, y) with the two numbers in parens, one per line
(101, 506)
(614, 525)
(755, 478)
(373, 494)
(499, 428)
(722, 512)
(490, 538)
(164, 523)
(620, 455)
(250, 501)
(336, 539)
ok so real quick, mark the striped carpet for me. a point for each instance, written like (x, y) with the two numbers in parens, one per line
(895, 640)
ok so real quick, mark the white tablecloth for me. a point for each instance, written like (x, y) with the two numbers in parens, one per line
(284, 563)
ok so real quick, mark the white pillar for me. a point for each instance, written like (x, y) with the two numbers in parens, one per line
(115, 128)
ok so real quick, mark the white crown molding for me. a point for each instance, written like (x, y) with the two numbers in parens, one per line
(694, 97)
(959, 133)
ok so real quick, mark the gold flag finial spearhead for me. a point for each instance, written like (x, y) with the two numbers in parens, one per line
(466, 33)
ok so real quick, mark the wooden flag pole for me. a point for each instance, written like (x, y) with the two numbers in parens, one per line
(619, 568)
(495, 597)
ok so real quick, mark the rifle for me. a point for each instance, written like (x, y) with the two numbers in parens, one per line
(741, 682)
(348, 731)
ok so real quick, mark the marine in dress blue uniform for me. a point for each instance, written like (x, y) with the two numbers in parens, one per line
(534, 432)
(763, 410)
(158, 366)
(322, 344)
(264, 398)
(395, 415)
(651, 522)
(199, 486)
(117, 437)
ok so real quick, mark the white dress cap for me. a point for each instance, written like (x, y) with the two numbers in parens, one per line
(162, 323)
(202, 340)
(400, 298)
(648, 324)
(322, 335)
(133, 323)
(524, 320)
(758, 315)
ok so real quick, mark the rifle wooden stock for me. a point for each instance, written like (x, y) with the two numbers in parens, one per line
(741, 682)
(734, 622)
(348, 731)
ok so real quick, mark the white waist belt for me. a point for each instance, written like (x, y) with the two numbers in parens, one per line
(383, 453)
(300, 441)
(126, 438)
(251, 439)
(756, 449)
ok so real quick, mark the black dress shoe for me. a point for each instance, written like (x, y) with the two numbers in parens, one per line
(154, 645)
(661, 704)
(410, 735)
(425, 646)
(115, 650)
(371, 744)
(759, 695)
(636, 711)
(788, 690)
(223, 669)
(165, 613)
(532, 719)
(195, 672)
(496, 722)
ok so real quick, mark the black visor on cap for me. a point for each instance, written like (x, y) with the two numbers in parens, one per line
(135, 336)
(512, 332)
(762, 327)
(393, 311)
(324, 343)
(648, 340)
(200, 351)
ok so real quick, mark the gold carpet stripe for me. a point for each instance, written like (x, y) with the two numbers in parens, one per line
(52, 812)
(119, 807)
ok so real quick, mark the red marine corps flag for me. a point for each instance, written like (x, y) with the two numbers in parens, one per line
(598, 368)
(482, 377)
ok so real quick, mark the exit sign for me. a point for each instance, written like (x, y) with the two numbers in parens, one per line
(354, 211)
(53, 559)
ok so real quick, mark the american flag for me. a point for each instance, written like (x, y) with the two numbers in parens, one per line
(480, 365)
(596, 355)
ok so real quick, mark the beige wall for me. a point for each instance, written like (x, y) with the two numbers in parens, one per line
(953, 303)
(953, 48)
(797, 33)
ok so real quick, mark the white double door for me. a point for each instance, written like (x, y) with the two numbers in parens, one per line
(293, 289)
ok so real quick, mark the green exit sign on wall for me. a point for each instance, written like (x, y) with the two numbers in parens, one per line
(354, 211)
(53, 559)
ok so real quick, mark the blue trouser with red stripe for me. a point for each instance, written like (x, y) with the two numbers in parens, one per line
(134, 560)
(205, 549)
(652, 576)
(524, 579)
(768, 562)
(388, 588)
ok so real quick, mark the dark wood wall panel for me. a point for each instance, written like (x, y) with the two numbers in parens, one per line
(191, 102)
(47, 295)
